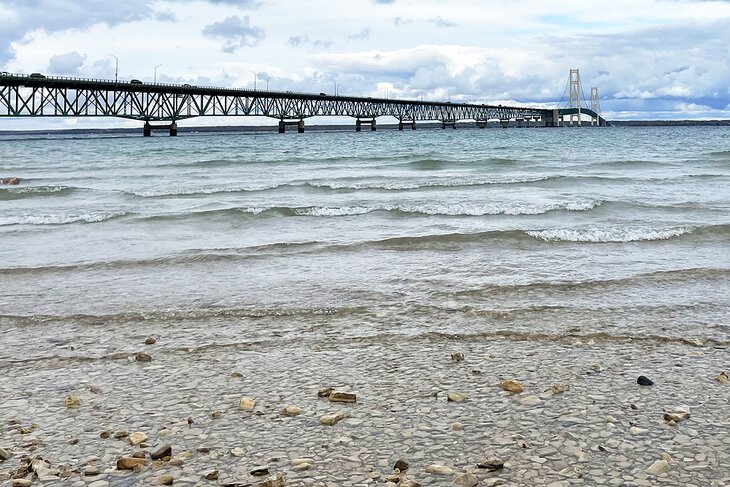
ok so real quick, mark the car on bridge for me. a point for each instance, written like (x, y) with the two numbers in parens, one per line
(37, 76)
(135, 82)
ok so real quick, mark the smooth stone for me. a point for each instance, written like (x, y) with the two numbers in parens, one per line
(466, 480)
(137, 438)
(292, 411)
(165, 480)
(493, 482)
(511, 386)
(455, 396)
(457, 357)
(677, 414)
(644, 381)
(95, 390)
(129, 463)
(439, 470)
(722, 378)
(72, 401)
(247, 404)
(5, 455)
(92, 471)
(10, 181)
(301, 467)
(22, 483)
(161, 451)
(325, 392)
(557, 389)
(638, 431)
(457, 426)
(530, 401)
(238, 452)
(99, 483)
(659, 467)
(143, 357)
(336, 396)
(299, 461)
(408, 483)
(332, 419)
(150, 341)
(120, 434)
(401, 464)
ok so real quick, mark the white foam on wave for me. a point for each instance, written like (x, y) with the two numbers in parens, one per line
(609, 234)
(60, 219)
(194, 191)
(450, 183)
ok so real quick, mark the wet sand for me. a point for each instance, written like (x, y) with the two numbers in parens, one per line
(603, 430)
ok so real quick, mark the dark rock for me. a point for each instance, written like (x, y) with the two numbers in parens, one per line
(325, 392)
(336, 396)
(644, 381)
(5, 455)
(212, 475)
(457, 357)
(150, 341)
(402, 465)
(139, 454)
(143, 357)
(129, 463)
(259, 471)
(161, 451)
(492, 464)
(104, 435)
(11, 181)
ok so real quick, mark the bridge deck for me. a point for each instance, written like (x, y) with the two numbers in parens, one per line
(39, 96)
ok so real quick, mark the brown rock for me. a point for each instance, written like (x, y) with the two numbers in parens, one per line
(348, 397)
(212, 475)
(165, 480)
(22, 483)
(11, 181)
(120, 434)
(457, 357)
(332, 419)
(161, 451)
(453, 396)
(129, 463)
(150, 341)
(95, 390)
(402, 465)
(72, 401)
(142, 357)
(259, 471)
(137, 438)
(325, 392)
(511, 386)
(5, 455)
(722, 378)
(493, 463)
(247, 404)
(292, 411)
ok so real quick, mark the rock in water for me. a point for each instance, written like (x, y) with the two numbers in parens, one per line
(11, 181)
(457, 357)
(292, 411)
(165, 480)
(273, 481)
(336, 396)
(137, 438)
(211, 475)
(259, 471)
(511, 386)
(161, 451)
(22, 483)
(72, 401)
(129, 463)
(677, 414)
(142, 357)
(325, 392)
(440, 470)
(332, 419)
(557, 389)
(455, 396)
(247, 404)
(722, 378)
(150, 341)
(659, 467)
(402, 465)
(5, 455)
(644, 381)
(492, 464)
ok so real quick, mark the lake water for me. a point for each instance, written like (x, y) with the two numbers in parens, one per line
(612, 231)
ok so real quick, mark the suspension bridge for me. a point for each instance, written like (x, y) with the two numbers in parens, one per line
(160, 106)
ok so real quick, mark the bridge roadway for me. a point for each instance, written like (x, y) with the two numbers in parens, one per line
(40, 96)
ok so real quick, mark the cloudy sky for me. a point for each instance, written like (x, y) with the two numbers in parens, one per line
(649, 58)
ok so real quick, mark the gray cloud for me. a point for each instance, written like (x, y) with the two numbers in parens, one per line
(67, 64)
(237, 32)
(304, 40)
(363, 34)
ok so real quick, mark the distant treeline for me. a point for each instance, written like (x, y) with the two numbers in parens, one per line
(670, 123)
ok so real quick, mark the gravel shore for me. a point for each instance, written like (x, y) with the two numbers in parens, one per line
(256, 413)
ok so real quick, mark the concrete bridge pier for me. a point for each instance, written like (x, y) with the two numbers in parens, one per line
(450, 123)
(400, 125)
(148, 128)
(504, 123)
(482, 124)
(371, 122)
(283, 123)
(413, 125)
(520, 123)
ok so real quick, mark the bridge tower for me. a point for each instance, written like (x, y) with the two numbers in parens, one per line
(575, 94)
(595, 106)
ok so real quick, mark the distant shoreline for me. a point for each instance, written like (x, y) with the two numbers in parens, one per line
(351, 127)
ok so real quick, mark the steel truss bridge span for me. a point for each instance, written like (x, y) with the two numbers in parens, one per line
(37, 96)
